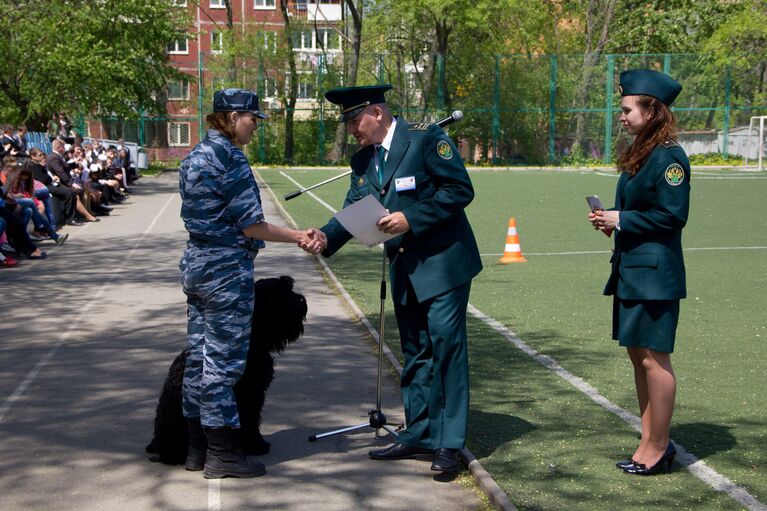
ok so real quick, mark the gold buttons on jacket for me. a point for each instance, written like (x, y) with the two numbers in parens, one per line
(401, 250)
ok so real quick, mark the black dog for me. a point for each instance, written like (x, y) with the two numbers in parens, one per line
(278, 320)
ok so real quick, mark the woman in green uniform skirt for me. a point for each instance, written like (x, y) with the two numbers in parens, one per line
(648, 276)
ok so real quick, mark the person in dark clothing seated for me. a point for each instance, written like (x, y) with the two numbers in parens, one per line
(15, 230)
(66, 196)
(58, 167)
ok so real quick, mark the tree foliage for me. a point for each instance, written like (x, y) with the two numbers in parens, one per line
(86, 56)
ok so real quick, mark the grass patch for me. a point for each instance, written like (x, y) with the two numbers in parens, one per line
(545, 443)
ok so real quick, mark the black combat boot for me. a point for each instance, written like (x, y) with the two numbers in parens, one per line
(195, 453)
(223, 459)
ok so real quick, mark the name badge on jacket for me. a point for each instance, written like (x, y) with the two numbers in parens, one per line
(404, 183)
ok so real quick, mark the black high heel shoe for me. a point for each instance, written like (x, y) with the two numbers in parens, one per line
(626, 463)
(663, 465)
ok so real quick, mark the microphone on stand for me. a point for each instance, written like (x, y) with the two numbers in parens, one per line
(457, 115)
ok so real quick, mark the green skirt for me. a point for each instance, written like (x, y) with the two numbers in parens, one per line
(645, 323)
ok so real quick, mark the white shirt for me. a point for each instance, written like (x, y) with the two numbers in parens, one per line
(386, 144)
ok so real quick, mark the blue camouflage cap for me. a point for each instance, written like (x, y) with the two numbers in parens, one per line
(237, 100)
(354, 99)
(649, 83)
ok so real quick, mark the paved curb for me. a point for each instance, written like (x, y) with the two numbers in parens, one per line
(487, 484)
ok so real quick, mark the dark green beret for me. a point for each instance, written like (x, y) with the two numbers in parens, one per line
(354, 99)
(649, 83)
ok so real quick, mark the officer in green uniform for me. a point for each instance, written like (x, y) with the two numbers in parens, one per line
(416, 173)
(648, 275)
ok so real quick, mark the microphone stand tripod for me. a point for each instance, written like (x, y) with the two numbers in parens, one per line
(377, 419)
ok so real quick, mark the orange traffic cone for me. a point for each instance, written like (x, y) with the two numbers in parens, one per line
(512, 253)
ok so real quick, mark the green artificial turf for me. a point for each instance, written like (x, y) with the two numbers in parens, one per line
(548, 445)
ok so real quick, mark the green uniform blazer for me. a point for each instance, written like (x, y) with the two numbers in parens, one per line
(439, 252)
(647, 263)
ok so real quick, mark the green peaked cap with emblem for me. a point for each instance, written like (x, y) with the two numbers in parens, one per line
(354, 99)
(647, 82)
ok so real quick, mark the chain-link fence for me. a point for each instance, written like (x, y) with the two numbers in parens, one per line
(518, 109)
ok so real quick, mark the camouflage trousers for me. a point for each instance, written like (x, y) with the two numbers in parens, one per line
(218, 283)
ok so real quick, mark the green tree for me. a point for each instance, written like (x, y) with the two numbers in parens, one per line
(741, 43)
(85, 56)
(666, 26)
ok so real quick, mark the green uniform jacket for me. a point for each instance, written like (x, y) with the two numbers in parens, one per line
(647, 263)
(439, 252)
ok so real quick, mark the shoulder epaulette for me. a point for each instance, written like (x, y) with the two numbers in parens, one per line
(670, 143)
(418, 126)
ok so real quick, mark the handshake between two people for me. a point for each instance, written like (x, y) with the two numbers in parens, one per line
(313, 241)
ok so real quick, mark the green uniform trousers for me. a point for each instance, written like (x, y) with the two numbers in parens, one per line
(435, 377)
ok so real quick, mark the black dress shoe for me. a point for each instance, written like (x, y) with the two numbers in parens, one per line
(75, 223)
(445, 460)
(398, 451)
(663, 465)
(626, 463)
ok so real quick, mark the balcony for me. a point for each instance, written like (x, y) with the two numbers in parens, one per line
(319, 10)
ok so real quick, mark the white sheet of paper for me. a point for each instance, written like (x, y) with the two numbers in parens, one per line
(360, 220)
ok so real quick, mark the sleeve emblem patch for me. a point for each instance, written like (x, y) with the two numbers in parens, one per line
(674, 174)
(444, 150)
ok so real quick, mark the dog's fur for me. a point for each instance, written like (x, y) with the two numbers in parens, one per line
(278, 320)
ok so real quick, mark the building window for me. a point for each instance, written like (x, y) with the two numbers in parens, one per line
(178, 134)
(179, 47)
(217, 4)
(328, 38)
(270, 88)
(217, 41)
(302, 39)
(306, 88)
(267, 40)
(178, 90)
(263, 4)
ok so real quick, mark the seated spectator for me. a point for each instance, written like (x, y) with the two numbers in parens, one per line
(115, 171)
(109, 188)
(90, 155)
(58, 167)
(15, 231)
(8, 146)
(66, 196)
(6, 261)
(21, 140)
(122, 159)
(22, 189)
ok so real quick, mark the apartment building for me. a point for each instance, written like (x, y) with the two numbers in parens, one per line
(316, 34)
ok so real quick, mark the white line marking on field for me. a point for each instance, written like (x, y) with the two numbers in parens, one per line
(696, 466)
(311, 194)
(75, 324)
(695, 175)
(591, 252)
(214, 494)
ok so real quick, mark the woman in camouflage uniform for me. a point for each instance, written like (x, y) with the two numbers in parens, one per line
(221, 209)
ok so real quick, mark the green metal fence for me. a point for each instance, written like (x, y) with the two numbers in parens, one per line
(518, 109)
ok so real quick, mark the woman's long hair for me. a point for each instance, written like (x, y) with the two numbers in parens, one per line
(660, 127)
(220, 121)
(23, 182)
